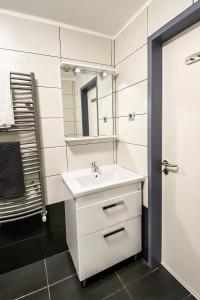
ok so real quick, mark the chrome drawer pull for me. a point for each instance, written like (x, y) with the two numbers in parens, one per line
(112, 205)
(113, 232)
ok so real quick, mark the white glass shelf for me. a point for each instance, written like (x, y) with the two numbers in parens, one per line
(72, 140)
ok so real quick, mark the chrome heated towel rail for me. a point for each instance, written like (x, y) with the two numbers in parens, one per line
(26, 131)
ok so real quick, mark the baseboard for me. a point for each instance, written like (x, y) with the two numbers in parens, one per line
(181, 281)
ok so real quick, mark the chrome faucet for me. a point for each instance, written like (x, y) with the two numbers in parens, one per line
(94, 167)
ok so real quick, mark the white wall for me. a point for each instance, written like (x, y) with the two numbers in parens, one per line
(131, 85)
(30, 46)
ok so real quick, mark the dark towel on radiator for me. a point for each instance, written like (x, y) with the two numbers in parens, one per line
(11, 171)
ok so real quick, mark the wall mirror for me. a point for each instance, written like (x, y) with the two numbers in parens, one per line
(87, 100)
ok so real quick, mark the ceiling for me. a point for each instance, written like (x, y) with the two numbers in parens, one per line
(103, 16)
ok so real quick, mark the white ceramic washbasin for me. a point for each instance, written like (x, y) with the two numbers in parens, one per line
(83, 182)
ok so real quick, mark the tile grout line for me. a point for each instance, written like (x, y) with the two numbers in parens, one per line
(131, 85)
(113, 294)
(61, 280)
(31, 293)
(132, 53)
(137, 280)
(48, 87)
(187, 297)
(130, 296)
(29, 52)
(59, 37)
(47, 286)
(54, 56)
(145, 275)
(117, 117)
(133, 144)
(47, 278)
(83, 61)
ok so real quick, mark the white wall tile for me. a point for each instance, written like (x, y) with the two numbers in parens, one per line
(68, 101)
(54, 161)
(132, 38)
(79, 128)
(86, 47)
(55, 190)
(52, 132)
(78, 114)
(69, 128)
(27, 35)
(132, 99)
(104, 86)
(81, 80)
(133, 131)
(77, 99)
(105, 107)
(160, 12)
(68, 114)
(81, 156)
(106, 128)
(50, 102)
(133, 69)
(46, 69)
(67, 87)
(133, 157)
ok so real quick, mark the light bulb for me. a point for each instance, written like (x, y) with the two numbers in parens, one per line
(77, 70)
(104, 74)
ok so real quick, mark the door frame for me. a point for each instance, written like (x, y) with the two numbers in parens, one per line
(183, 21)
(84, 105)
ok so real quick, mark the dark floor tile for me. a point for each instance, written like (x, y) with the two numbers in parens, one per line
(189, 297)
(54, 242)
(158, 285)
(121, 295)
(97, 288)
(22, 281)
(55, 217)
(15, 232)
(36, 249)
(192, 297)
(40, 295)
(12, 258)
(59, 266)
(133, 272)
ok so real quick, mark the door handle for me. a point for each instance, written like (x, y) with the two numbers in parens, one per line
(165, 163)
(168, 166)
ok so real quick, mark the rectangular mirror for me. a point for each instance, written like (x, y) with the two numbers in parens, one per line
(87, 95)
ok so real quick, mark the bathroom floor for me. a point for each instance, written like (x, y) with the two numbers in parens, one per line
(55, 279)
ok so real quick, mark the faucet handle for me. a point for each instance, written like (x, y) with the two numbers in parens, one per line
(93, 163)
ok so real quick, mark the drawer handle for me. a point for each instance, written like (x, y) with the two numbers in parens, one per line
(113, 232)
(112, 205)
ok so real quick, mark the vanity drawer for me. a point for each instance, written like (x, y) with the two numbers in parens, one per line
(107, 194)
(100, 215)
(102, 249)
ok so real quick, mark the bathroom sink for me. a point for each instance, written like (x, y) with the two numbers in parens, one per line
(83, 182)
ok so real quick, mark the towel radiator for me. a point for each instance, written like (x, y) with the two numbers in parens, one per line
(25, 130)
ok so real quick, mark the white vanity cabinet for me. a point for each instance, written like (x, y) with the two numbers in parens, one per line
(104, 228)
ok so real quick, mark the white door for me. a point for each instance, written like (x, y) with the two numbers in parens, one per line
(92, 112)
(181, 146)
